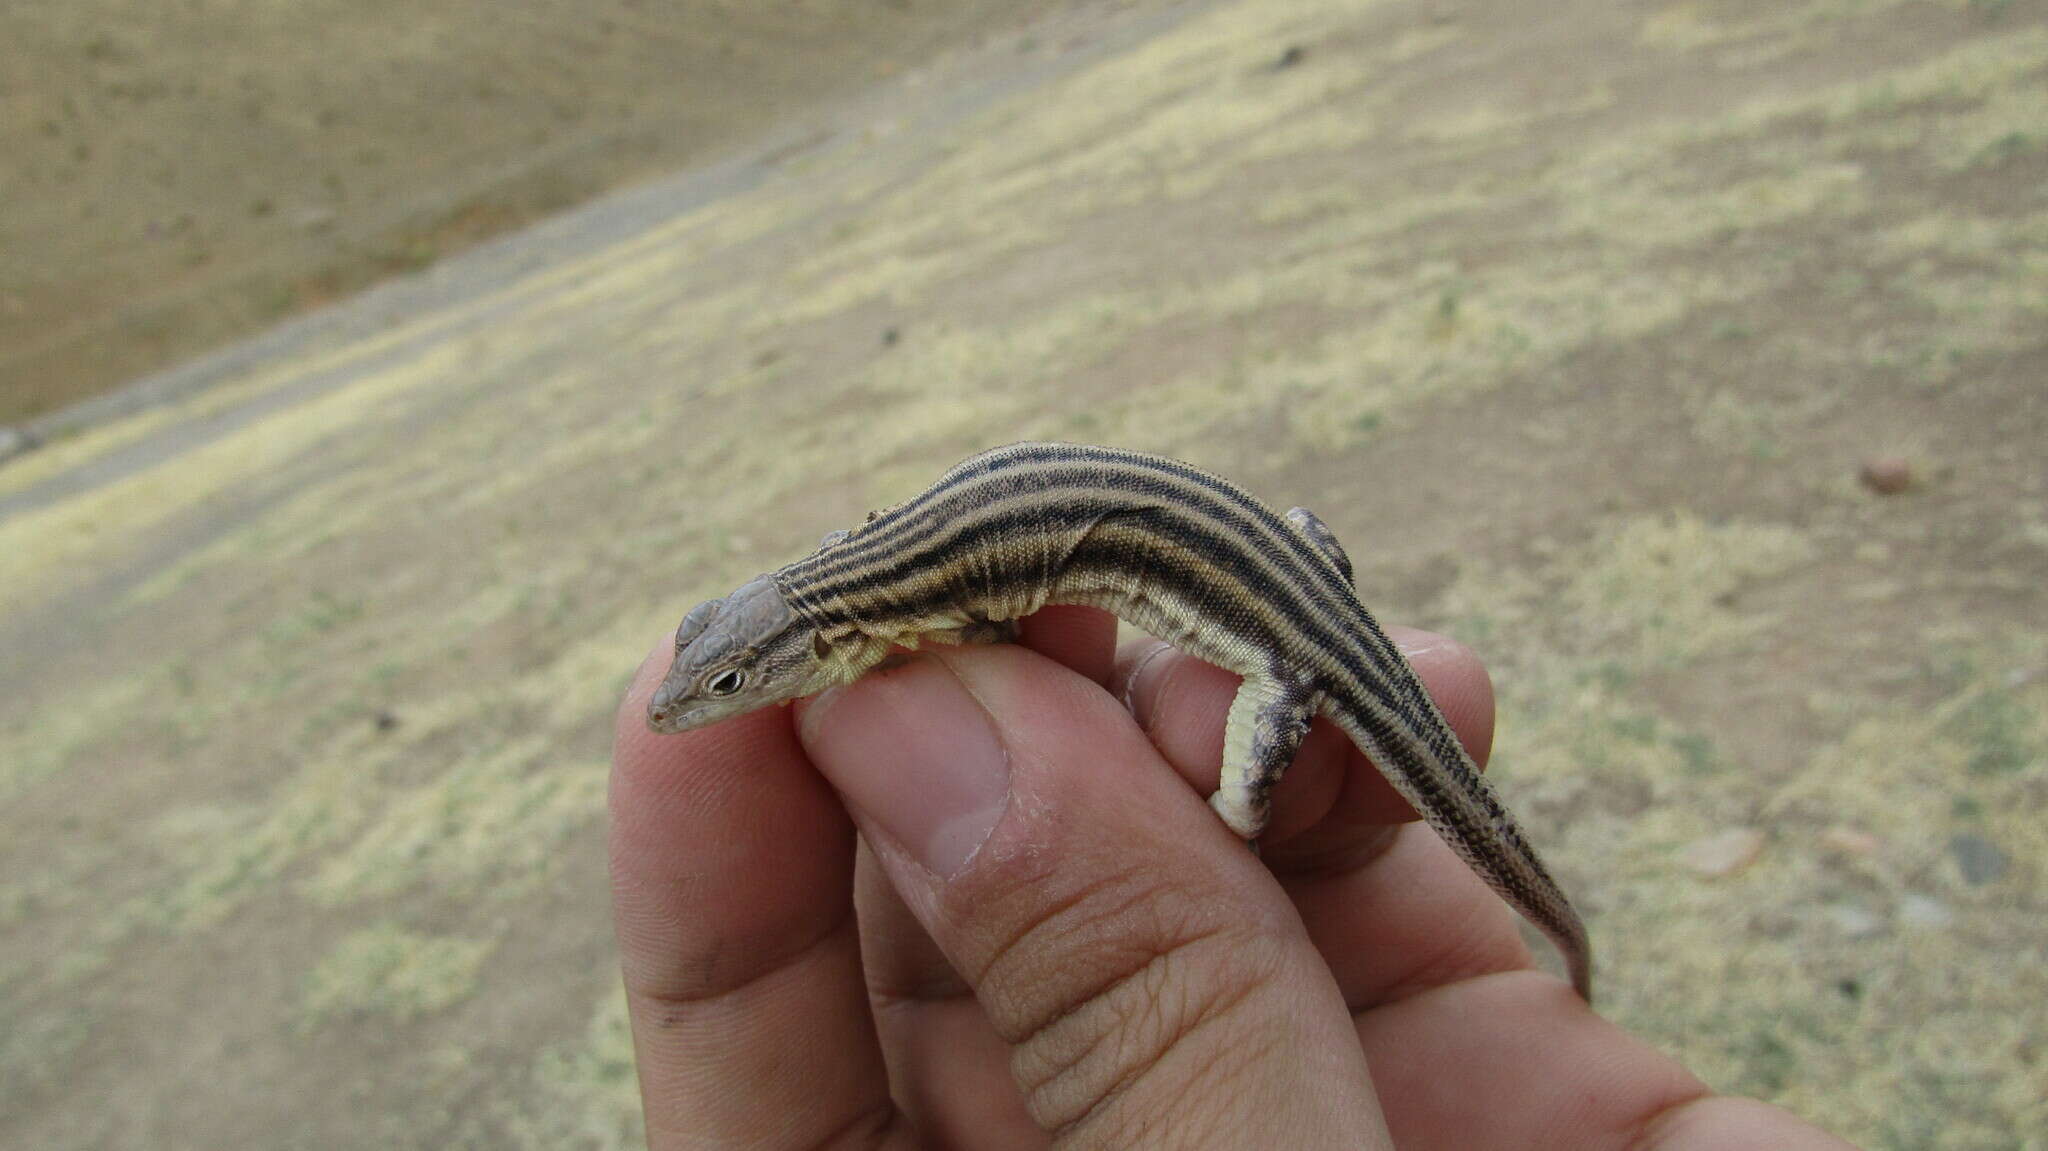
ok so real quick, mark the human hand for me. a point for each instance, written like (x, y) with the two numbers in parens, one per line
(1041, 935)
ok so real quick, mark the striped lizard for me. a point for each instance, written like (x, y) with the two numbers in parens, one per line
(1175, 551)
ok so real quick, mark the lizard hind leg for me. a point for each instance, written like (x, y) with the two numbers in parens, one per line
(1316, 532)
(1267, 721)
(991, 631)
(977, 631)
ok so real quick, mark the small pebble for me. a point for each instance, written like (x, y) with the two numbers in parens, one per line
(1977, 858)
(1886, 475)
(1924, 911)
(1723, 853)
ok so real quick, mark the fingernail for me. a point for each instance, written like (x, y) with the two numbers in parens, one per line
(1136, 701)
(1418, 643)
(914, 752)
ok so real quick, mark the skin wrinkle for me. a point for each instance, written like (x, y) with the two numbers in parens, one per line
(1220, 1061)
(934, 988)
(880, 1125)
(697, 979)
(1028, 932)
(1155, 968)
(1176, 1027)
(1366, 929)
(669, 1035)
(890, 934)
(1295, 862)
(673, 1001)
(1642, 1131)
(1672, 1126)
(1459, 954)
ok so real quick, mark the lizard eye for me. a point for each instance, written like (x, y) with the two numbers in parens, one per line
(725, 682)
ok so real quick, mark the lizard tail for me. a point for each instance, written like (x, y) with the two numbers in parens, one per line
(1435, 775)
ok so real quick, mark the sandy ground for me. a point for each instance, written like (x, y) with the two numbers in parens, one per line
(1575, 324)
(178, 175)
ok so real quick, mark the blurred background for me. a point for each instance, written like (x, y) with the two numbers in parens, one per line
(378, 382)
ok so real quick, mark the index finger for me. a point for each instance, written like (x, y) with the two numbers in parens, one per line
(732, 872)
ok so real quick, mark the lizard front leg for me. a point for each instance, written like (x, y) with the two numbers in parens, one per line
(1267, 721)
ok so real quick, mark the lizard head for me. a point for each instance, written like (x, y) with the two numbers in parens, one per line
(736, 654)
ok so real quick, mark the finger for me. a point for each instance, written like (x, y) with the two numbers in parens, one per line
(1140, 964)
(910, 965)
(1083, 638)
(1720, 1123)
(1553, 1075)
(731, 873)
(1410, 917)
(949, 1070)
(1391, 913)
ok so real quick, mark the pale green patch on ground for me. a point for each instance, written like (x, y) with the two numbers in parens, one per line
(389, 971)
(1995, 71)
(233, 855)
(1746, 425)
(33, 1056)
(1646, 203)
(589, 1095)
(1644, 595)
(1484, 120)
(1687, 27)
(1659, 591)
(31, 752)
(1985, 278)
(1455, 335)
(490, 827)
(1130, 131)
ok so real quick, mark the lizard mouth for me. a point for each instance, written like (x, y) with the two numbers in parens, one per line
(668, 722)
(664, 713)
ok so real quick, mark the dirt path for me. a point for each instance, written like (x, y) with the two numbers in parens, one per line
(1576, 326)
(182, 176)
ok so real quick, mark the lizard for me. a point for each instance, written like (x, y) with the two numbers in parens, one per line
(1175, 551)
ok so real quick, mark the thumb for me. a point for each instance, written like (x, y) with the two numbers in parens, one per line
(1152, 980)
